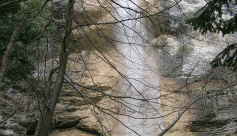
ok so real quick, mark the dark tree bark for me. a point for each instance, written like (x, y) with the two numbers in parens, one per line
(45, 121)
(8, 50)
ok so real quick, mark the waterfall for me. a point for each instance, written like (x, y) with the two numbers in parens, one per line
(143, 113)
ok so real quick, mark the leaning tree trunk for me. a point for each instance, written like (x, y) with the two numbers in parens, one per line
(8, 50)
(45, 121)
(12, 41)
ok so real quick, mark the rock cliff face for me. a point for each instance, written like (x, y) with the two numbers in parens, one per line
(185, 55)
(75, 108)
(219, 115)
(188, 58)
(17, 115)
(188, 55)
(92, 76)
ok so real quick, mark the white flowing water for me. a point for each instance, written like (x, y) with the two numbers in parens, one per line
(143, 113)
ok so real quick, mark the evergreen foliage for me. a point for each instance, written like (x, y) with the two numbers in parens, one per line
(227, 58)
(210, 19)
(23, 55)
(8, 23)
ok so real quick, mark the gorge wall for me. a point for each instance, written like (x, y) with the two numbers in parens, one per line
(183, 58)
(184, 55)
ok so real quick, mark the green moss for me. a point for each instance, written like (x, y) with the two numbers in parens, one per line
(184, 50)
(4, 86)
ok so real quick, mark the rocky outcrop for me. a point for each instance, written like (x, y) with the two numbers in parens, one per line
(219, 115)
(17, 117)
(187, 55)
(191, 59)
(82, 108)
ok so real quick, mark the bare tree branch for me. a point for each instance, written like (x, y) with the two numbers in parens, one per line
(180, 115)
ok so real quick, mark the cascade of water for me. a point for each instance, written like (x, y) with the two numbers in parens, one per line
(141, 72)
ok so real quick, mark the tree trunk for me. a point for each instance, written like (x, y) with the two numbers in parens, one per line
(11, 43)
(44, 125)
(8, 50)
(45, 121)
